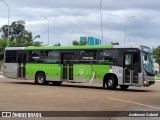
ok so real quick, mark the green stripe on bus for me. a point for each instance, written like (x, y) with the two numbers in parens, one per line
(51, 70)
(80, 71)
(66, 47)
(83, 71)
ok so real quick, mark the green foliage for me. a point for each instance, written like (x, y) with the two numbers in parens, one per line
(156, 53)
(18, 36)
(79, 43)
(4, 30)
(17, 31)
(3, 44)
(58, 44)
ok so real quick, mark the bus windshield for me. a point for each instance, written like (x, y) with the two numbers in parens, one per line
(148, 63)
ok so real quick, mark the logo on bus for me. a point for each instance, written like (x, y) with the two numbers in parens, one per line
(83, 72)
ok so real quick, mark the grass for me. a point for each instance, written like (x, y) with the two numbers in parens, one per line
(158, 77)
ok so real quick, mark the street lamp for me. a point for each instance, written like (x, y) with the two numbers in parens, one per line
(126, 27)
(101, 20)
(8, 21)
(70, 41)
(48, 29)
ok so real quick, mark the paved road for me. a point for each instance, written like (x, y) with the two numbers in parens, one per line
(22, 95)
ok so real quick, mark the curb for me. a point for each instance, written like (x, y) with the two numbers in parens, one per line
(1, 76)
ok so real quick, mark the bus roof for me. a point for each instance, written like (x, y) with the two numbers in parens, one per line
(72, 47)
(58, 47)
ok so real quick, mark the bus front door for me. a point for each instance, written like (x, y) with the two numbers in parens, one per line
(22, 57)
(131, 68)
(67, 67)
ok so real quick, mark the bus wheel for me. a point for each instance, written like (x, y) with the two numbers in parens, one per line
(124, 87)
(40, 79)
(111, 83)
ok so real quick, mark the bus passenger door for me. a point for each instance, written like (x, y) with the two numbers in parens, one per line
(22, 58)
(67, 67)
(131, 68)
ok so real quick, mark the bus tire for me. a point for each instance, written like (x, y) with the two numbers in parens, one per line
(56, 83)
(124, 87)
(111, 83)
(104, 84)
(40, 79)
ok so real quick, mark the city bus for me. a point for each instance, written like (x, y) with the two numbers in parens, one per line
(108, 65)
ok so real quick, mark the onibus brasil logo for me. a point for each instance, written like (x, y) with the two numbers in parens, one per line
(21, 114)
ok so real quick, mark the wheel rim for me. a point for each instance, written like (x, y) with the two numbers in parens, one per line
(40, 79)
(110, 82)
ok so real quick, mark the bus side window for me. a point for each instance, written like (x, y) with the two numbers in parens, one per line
(88, 56)
(36, 56)
(108, 56)
(51, 57)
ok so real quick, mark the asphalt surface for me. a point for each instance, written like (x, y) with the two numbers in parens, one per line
(24, 95)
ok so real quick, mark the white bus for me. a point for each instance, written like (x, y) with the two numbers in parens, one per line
(110, 66)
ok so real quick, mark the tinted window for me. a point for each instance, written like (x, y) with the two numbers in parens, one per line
(76, 57)
(108, 56)
(51, 57)
(88, 56)
(11, 56)
(36, 56)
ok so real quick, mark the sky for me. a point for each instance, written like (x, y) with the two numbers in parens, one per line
(70, 19)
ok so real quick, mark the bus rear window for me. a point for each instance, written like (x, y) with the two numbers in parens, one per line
(10, 56)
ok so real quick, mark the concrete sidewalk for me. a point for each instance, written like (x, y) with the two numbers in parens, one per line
(1, 73)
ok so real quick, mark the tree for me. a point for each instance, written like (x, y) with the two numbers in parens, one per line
(3, 44)
(79, 43)
(4, 30)
(156, 54)
(58, 44)
(75, 43)
(18, 33)
(16, 30)
(18, 36)
(27, 36)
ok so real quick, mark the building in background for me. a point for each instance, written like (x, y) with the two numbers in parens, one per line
(91, 40)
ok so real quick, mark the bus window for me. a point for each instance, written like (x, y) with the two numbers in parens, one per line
(51, 57)
(108, 56)
(128, 60)
(36, 56)
(11, 56)
(88, 56)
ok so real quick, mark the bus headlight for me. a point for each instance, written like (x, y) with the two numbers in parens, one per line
(145, 82)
